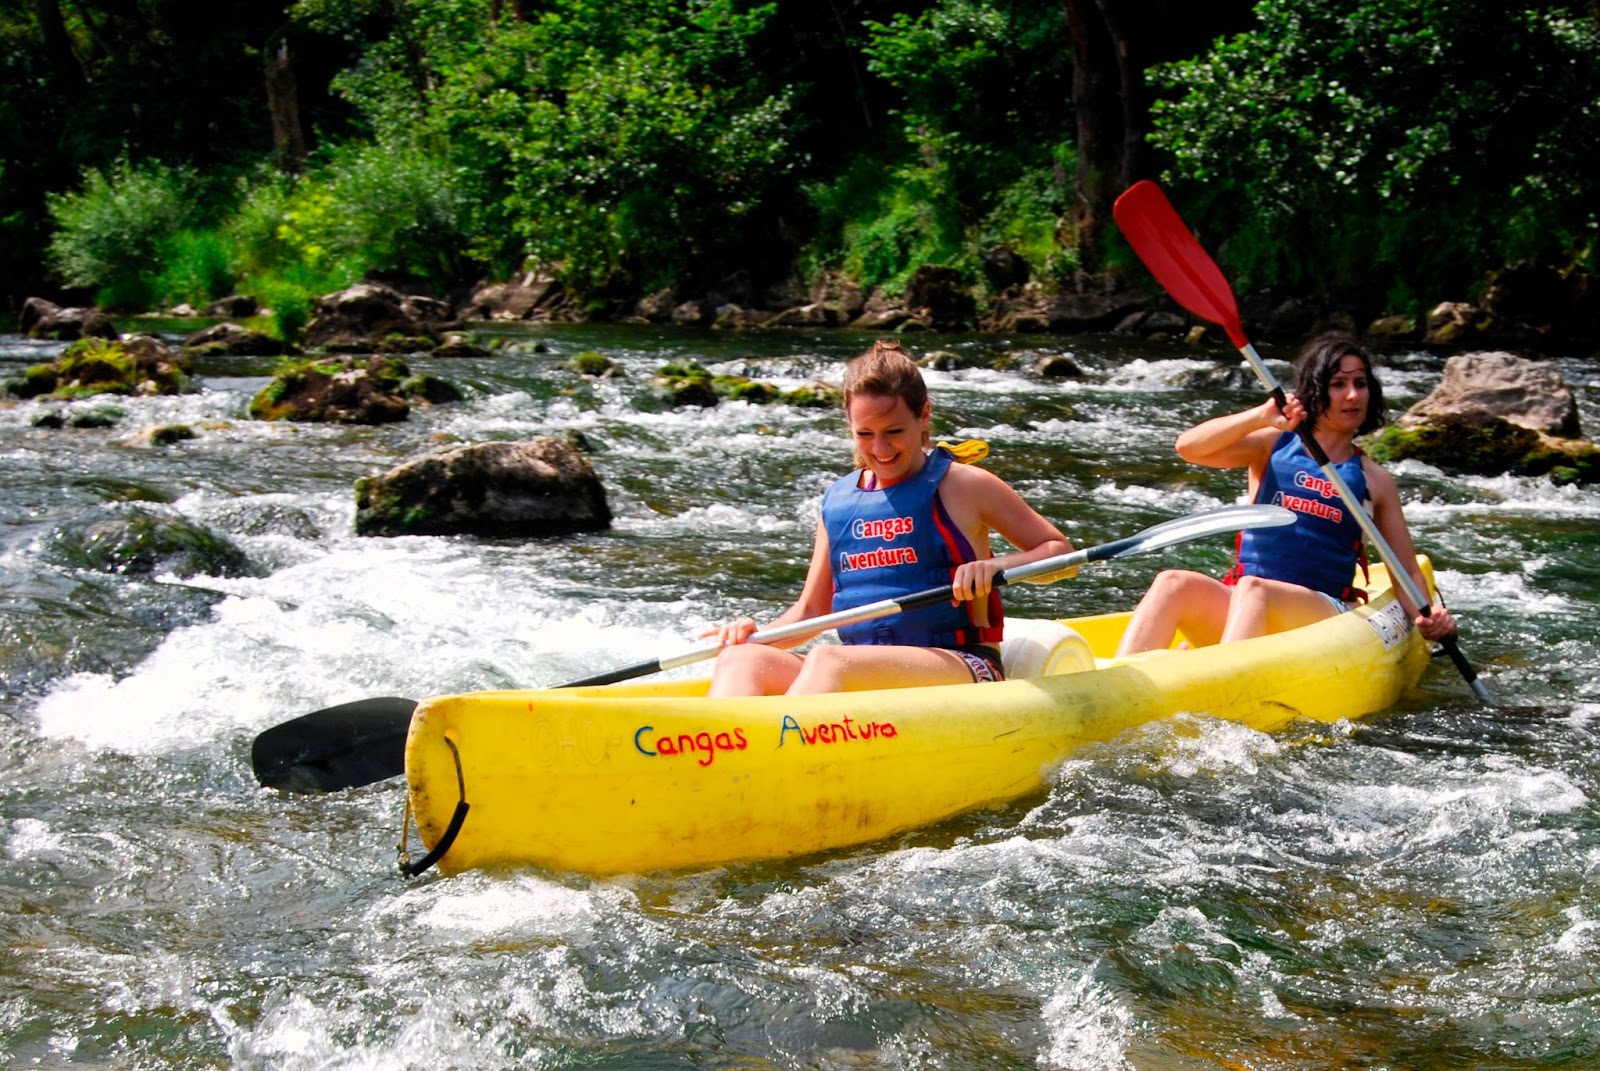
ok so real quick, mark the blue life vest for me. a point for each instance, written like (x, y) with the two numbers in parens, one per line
(1321, 548)
(899, 540)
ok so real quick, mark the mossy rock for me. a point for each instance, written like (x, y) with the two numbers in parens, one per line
(745, 389)
(459, 347)
(141, 364)
(690, 384)
(36, 380)
(93, 366)
(95, 416)
(814, 395)
(393, 344)
(1481, 445)
(343, 390)
(98, 416)
(143, 543)
(432, 389)
(686, 385)
(166, 435)
(591, 363)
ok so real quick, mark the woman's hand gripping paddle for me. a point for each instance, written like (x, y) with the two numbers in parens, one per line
(362, 742)
(1174, 256)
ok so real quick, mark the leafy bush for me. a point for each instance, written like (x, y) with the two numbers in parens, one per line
(1410, 144)
(398, 209)
(260, 229)
(974, 158)
(289, 295)
(1027, 218)
(370, 208)
(880, 224)
(615, 142)
(196, 268)
(114, 233)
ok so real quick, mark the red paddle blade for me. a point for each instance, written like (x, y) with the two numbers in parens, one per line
(1174, 256)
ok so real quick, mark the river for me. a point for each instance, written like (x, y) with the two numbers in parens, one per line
(1415, 890)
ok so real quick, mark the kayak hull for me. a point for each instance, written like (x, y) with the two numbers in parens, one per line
(649, 776)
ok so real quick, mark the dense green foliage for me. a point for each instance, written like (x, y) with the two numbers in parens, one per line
(1404, 148)
(110, 234)
(978, 154)
(1412, 143)
(624, 147)
(159, 83)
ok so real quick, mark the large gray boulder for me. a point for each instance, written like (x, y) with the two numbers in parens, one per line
(530, 298)
(1530, 394)
(540, 487)
(1495, 413)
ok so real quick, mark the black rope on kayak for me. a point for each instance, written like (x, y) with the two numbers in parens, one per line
(407, 867)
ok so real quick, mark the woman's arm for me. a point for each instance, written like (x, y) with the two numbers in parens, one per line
(1391, 522)
(981, 502)
(1240, 440)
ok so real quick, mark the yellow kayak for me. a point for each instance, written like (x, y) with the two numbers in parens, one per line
(638, 777)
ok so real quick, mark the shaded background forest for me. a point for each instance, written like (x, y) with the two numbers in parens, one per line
(1392, 152)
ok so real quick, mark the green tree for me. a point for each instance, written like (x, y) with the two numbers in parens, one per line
(1402, 145)
(978, 152)
(85, 85)
(623, 143)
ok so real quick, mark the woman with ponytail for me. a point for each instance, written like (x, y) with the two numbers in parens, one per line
(910, 517)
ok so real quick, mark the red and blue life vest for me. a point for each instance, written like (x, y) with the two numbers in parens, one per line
(897, 540)
(1321, 548)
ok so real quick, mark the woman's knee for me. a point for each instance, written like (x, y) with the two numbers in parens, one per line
(1253, 589)
(1171, 584)
(824, 668)
(753, 669)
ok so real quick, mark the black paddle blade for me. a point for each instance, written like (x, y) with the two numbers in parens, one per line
(346, 746)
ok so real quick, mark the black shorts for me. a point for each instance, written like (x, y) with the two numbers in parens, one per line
(983, 661)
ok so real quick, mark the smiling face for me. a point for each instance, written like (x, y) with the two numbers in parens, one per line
(888, 435)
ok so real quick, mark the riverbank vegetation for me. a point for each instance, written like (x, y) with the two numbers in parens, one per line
(1392, 152)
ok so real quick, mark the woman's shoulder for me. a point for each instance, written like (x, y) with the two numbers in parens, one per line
(972, 481)
(1379, 479)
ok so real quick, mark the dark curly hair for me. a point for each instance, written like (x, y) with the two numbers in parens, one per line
(1319, 359)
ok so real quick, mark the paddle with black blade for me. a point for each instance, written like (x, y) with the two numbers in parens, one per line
(362, 742)
(1175, 257)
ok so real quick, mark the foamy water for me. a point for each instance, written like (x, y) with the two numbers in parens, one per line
(1413, 890)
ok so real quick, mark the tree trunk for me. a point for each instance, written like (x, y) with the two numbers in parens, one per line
(1108, 95)
(1133, 155)
(58, 45)
(518, 11)
(283, 101)
(1098, 137)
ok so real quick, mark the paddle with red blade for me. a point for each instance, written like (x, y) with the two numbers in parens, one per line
(1175, 257)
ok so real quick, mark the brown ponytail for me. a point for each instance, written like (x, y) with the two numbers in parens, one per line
(886, 370)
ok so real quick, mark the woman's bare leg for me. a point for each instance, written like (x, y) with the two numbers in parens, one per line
(754, 669)
(859, 667)
(1178, 599)
(1261, 607)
